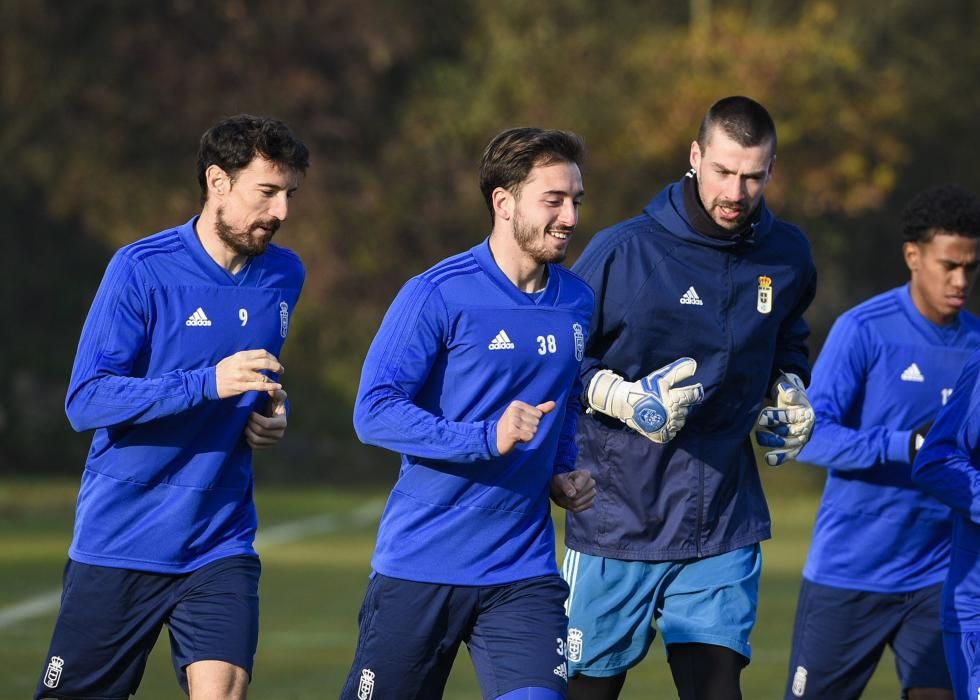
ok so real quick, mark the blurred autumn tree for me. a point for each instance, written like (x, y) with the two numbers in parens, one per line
(101, 105)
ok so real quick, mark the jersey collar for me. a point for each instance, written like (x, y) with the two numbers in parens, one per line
(945, 334)
(188, 236)
(548, 297)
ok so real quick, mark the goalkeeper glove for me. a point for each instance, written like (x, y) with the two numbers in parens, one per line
(651, 406)
(787, 425)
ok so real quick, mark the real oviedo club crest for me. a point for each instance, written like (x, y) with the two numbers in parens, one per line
(764, 300)
(579, 341)
(283, 318)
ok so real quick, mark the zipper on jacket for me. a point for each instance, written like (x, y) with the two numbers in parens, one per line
(700, 504)
(729, 303)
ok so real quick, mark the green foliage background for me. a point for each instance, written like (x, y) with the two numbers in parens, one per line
(102, 103)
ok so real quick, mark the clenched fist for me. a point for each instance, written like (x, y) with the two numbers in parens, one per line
(573, 491)
(267, 428)
(519, 423)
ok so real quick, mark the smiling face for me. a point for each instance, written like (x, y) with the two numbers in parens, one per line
(544, 211)
(943, 269)
(731, 178)
(250, 208)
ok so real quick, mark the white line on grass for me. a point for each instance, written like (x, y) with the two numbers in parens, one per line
(318, 525)
(32, 607)
(275, 535)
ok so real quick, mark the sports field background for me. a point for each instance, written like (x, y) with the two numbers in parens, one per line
(315, 556)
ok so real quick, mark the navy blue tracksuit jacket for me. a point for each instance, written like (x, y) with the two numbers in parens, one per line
(664, 291)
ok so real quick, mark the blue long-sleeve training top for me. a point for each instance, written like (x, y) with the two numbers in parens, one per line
(167, 485)
(458, 345)
(948, 467)
(884, 371)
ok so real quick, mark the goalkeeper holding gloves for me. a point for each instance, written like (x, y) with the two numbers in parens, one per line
(651, 406)
(787, 425)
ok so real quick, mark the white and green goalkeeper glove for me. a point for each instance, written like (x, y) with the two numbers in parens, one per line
(787, 425)
(651, 406)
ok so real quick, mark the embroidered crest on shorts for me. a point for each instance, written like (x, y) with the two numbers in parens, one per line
(764, 302)
(52, 676)
(799, 682)
(365, 689)
(579, 341)
(574, 644)
(283, 318)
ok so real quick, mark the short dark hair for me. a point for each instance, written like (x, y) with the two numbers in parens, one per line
(511, 155)
(941, 208)
(744, 120)
(233, 143)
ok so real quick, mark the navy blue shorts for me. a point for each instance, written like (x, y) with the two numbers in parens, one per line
(840, 635)
(111, 618)
(964, 663)
(410, 633)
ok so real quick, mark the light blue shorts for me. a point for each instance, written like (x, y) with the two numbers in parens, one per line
(613, 604)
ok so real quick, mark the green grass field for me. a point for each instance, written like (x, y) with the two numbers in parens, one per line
(313, 579)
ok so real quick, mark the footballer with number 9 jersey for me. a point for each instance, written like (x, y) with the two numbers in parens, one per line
(177, 373)
(473, 378)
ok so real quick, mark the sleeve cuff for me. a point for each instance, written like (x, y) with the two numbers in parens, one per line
(583, 398)
(492, 438)
(211, 383)
(562, 468)
(898, 446)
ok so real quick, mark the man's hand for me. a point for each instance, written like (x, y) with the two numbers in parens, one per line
(917, 438)
(787, 425)
(573, 491)
(650, 406)
(242, 372)
(519, 423)
(267, 428)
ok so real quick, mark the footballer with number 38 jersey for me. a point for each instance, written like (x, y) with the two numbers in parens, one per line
(473, 378)
(458, 344)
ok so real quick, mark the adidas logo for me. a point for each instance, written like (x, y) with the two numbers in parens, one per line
(912, 374)
(198, 318)
(502, 342)
(691, 297)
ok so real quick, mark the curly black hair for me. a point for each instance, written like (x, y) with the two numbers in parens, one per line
(942, 208)
(233, 142)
